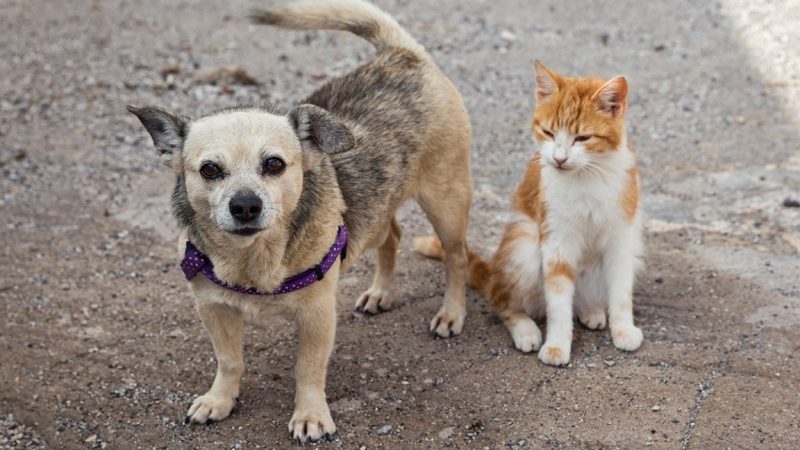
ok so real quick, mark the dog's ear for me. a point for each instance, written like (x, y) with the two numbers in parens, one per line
(320, 132)
(167, 129)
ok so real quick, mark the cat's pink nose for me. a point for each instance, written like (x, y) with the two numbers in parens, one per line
(560, 161)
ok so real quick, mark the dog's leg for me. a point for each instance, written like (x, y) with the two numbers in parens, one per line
(378, 297)
(225, 325)
(316, 326)
(447, 208)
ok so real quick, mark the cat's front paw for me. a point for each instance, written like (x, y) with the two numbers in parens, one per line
(526, 335)
(593, 319)
(312, 424)
(554, 355)
(210, 407)
(628, 338)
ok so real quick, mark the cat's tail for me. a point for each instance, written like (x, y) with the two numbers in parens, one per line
(478, 272)
(356, 16)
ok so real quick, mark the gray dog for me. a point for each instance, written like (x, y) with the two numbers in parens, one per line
(263, 195)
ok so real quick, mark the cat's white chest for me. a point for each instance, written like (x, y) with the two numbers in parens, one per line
(584, 211)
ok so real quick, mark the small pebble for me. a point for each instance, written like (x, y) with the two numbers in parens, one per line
(384, 430)
(789, 202)
(447, 433)
(508, 36)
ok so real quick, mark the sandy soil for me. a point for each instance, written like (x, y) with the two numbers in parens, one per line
(101, 347)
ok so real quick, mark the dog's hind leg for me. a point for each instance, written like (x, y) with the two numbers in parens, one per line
(378, 297)
(225, 325)
(446, 205)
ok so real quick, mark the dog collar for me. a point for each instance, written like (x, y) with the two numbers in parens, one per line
(195, 261)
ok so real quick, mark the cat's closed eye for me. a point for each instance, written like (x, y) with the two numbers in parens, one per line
(583, 138)
(547, 133)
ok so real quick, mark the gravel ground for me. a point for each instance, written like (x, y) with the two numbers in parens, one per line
(101, 346)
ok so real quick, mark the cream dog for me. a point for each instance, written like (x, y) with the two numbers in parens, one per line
(263, 195)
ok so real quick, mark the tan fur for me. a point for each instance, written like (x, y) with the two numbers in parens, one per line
(332, 144)
(357, 16)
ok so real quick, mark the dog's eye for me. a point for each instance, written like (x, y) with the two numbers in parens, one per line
(583, 138)
(547, 133)
(273, 166)
(211, 171)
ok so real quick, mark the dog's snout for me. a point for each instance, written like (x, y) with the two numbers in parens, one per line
(245, 207)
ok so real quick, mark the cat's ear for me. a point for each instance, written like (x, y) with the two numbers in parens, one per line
(546, 81)
(612, 97)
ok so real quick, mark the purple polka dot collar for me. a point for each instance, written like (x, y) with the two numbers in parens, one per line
(195, 261)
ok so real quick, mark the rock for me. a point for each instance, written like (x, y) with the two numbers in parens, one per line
(508, 36)
(173, 69)
(447, 433)
(789, 202)
(384, 430)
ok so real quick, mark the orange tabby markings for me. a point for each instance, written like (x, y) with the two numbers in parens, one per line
(582, 182)
(574, 107)
(554, 353)
(630, 195)
(528, 198)
(556, 270)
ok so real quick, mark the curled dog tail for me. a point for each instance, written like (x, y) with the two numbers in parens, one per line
(356, 16)
(478, 272)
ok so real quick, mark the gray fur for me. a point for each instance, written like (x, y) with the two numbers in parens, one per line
(184, 213)
(167, 129)
(383, 100)
(320, 130)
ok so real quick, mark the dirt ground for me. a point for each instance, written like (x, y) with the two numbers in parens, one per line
(101, 347)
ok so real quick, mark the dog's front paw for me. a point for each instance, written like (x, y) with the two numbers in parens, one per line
(210, 407)
(374, 300)
(554, 355)
(448, 322)
(627, 338)
(311, 426)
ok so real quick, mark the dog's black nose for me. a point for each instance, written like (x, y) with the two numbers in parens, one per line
(245, 207)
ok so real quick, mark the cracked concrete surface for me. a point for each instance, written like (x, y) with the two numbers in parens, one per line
(101, 346)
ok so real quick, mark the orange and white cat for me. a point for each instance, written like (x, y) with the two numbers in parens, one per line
(575, 231)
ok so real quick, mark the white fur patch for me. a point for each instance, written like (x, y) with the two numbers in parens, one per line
(589, 230)
(526, 335)
(523, 267)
